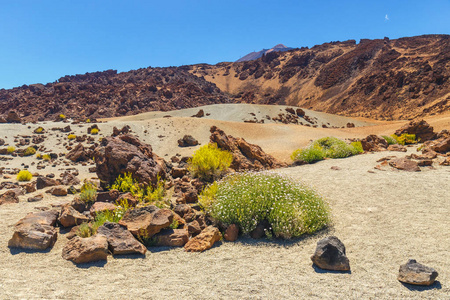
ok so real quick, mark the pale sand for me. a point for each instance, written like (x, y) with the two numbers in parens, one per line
(383, 218)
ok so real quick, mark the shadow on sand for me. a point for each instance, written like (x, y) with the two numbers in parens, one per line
(420, 288)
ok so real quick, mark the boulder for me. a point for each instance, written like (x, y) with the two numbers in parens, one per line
(147, 221)
(178, 172)
(187, 141)
(79, 153)
(83, 250)
(98, 207)
(109, 196)
(232, 232)
(374, 143)
(404, 164)
(35, 231)
(443, 146)
(13, 117)
(9, 197)
(204, 241)
(300, 112)
(185, 211)
(125, 153)
(420, 128)
(70, 217)
(415, 273)
(29, 187)
(246, 156)
(120, 240)
(172, 237)
(330, 255)
(43, 182)
(193, 228)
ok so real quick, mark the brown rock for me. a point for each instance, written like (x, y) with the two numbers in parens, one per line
(13, 117)
(425, 162)
(204, 241)
(172, 237)
(79, 153)
(187, 141)
(43, 182)
(9, 197)
(29, 187)
(404, 164)
(125, 153)
(330, 255)
(194, 228)
(420, 128)
(83, 250)
(443, 146)
(147, 221)
(35, 231)
(245, 156)
(36, 198)
(232, 232)
(185, 211)
(199, 114)
(414, 273)
(374, 143)
(396, 147)
(68, 178)
(109, 196)
(98, 207)
(57, 191)
(300, 112)
(120, 240)
(70, 217)
(178, 172)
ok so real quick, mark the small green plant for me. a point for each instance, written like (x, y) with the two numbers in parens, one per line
(174, 224)
(390, 140)
(209, 162)
(88, 193)
(71, 136)
(327, 147)
(46, 157)
(11, 149)
(246, 199)
(39, 156)
(29, 151)
(39, 130)
(405, 139)
(62, 117)
(88, 120)
(149, 194)
(24, 175)
(145, 239)
(94, 131)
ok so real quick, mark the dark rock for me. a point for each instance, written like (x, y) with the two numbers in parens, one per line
(187, 141)
(415, 273)
(330, 255)
(79, 153)
(43, 182)
(232, 232)
(13, 117)
(199, 114)
(260, 230)
(420, 128)
(374, 143)
(36, 198)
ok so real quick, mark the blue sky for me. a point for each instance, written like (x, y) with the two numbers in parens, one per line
(42, 41)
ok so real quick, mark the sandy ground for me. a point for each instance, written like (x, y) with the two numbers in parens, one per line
(384, 218)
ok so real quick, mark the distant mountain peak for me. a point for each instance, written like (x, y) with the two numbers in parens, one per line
(256, 55)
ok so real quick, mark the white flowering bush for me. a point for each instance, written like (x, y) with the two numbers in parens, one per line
(245, 199)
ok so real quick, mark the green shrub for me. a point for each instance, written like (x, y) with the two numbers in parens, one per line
(88, 192)
(39, 130)
(209, 162)
(29, 151)
(148, 195)
(245, 199)
(94, 131)
(390, 140)
(62, 117)
(405, 139)
(90, 229)
(327, 147)
(24, 175)
(71, 136)
(46, 157)
(11, 149)
(85, 230)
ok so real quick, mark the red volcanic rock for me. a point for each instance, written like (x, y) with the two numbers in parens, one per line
(420, 128)
(374, 143)
(120, 240)
(79, 153)
(204, 241)
(125, 153)
(148, 220)
(246, 156)
(83, 250)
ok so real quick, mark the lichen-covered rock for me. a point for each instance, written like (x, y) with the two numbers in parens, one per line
(120, 240)
(204, 241)
(415, 273)
(246, 156)
(330, 255)
(83, 250)
(125, 153)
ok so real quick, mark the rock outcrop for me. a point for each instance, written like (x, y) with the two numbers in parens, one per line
(422, 130)
(246, 156)
(125, 153)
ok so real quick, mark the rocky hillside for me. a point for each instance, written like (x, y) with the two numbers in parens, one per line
(256, 55)
(109, 94)
(383, 79)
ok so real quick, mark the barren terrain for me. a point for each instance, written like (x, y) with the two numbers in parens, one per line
(384, 218)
